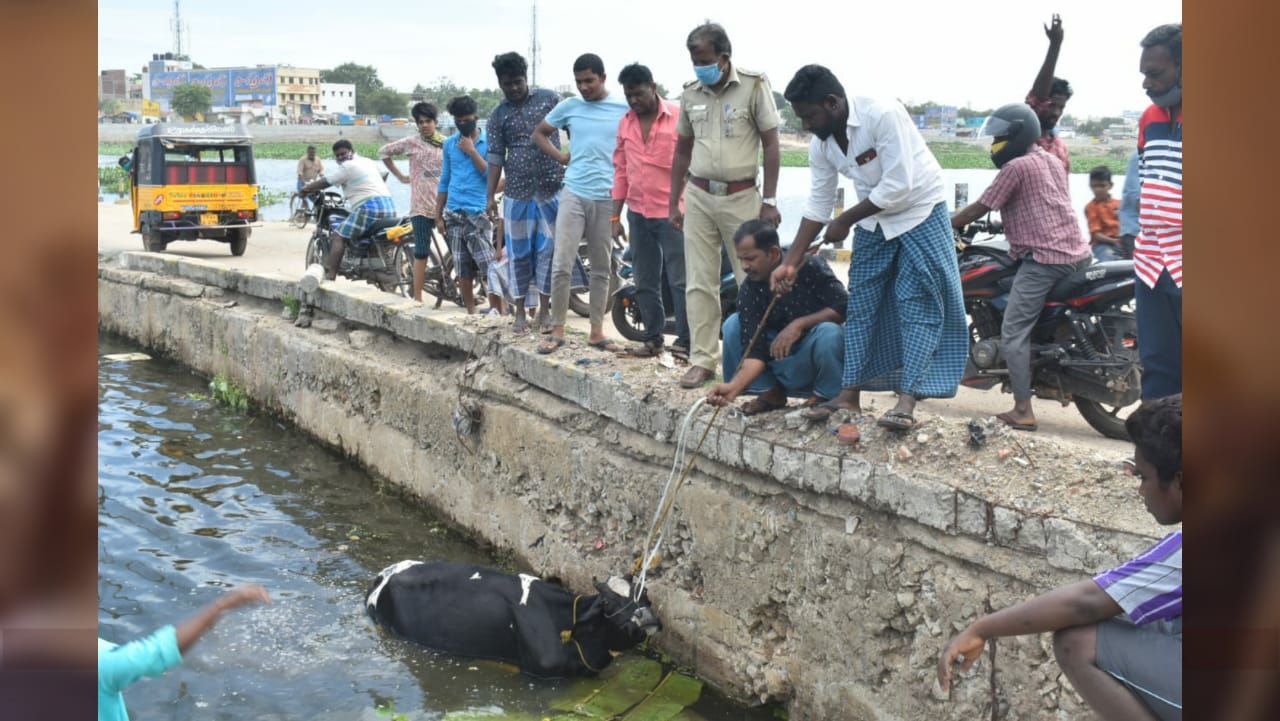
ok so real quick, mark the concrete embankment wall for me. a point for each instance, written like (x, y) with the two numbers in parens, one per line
(806, 574)
(318, 134)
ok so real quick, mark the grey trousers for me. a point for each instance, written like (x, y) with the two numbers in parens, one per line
(577, 219)
(1030, 288)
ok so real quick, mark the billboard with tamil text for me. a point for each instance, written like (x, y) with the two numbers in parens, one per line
(228, 86)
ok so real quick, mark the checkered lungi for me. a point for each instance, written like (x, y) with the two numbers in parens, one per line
(364, 215)
(530, 235)
(470, 237)
(905, 329)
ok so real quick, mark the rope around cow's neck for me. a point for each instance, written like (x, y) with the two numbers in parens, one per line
(674, 481)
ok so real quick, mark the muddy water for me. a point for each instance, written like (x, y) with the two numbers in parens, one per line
(194, 498)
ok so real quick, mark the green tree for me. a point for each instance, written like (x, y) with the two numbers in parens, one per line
(110, 106)
(190, 99)
(364, 77)
(1095, 127)
(787, 114)
(385, 101)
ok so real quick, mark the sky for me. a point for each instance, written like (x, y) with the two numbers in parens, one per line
(979, 55)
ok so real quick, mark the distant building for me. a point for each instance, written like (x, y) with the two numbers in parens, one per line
(337, 98)
(113, 85)
(299, 91)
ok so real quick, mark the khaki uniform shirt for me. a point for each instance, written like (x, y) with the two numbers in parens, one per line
(309, 170)
(726, 125)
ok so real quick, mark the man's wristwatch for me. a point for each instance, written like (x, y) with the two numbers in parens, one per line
(770, 201)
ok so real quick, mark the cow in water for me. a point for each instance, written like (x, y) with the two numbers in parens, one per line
(545, 629)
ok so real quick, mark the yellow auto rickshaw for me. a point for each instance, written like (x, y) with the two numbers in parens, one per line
(193, 180)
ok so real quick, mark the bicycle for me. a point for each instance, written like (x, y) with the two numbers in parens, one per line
(301, 210)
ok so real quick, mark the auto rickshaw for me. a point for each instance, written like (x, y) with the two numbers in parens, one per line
(193, 180)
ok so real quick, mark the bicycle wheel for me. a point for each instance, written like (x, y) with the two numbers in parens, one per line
(299, 211)
(438, 279)
(402, 270)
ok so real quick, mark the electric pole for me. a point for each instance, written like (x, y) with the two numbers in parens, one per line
(534, 47)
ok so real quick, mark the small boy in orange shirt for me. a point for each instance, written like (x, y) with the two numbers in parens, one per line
(1103, 214)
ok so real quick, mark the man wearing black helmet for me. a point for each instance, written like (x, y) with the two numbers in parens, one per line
(1034, 201)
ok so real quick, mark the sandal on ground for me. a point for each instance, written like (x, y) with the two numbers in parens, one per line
(550, 345)
(759, 405)
(679, 352)
(896, 420)
(823, 410)
(606, 344)
(1007, 419)
(648, 349)
(520, 327)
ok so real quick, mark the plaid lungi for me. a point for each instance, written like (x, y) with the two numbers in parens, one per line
(530, 235)
(905, 329)
(364, 215)
(470, 237)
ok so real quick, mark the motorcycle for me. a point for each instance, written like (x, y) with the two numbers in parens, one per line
(1084, 348)
(382, 256)
(626, 308)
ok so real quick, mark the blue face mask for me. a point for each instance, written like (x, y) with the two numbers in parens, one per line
(707, 74)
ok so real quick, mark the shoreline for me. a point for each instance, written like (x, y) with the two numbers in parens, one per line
(962, 154)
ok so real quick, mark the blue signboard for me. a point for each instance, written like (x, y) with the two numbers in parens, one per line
(249, 84)
(228, 87)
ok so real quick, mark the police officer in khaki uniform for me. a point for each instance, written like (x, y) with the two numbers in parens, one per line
(726, 116)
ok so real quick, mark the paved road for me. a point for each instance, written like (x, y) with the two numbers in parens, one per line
(279, 247)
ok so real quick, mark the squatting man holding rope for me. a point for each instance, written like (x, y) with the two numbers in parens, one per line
(801, 351)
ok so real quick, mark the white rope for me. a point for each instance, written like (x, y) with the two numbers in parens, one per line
(668, 496)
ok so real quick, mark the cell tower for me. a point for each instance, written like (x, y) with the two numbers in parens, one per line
(535, 48)
(178, 28)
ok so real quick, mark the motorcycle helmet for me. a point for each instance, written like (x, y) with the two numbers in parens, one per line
(1013, 127)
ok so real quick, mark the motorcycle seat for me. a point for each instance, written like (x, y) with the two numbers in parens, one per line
(379, 226)
(1076, 283)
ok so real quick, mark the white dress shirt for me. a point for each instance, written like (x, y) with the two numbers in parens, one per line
(901, 177)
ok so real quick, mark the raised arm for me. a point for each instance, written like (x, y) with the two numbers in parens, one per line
(1044, 80)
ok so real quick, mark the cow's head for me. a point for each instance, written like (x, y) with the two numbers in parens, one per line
(622, 620)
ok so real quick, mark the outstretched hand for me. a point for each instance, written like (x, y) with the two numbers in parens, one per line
(967, 647)
(240, 595)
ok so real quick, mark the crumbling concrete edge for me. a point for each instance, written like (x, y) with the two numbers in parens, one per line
(1066, 544)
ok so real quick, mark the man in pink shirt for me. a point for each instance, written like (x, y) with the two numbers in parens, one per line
(642, 181)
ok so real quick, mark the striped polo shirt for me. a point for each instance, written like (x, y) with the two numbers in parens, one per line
(1159, 243)
(1149, 586)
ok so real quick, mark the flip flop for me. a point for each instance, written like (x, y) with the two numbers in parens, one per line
(645, 350)
(1006, 419)
(608, 345)
(896, 420)
(759, 405)
(822, 411)
(550, 345)
(520, 328)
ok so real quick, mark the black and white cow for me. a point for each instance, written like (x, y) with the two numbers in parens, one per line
(545, 629)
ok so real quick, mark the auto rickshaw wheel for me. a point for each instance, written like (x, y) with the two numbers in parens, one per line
(152, 240)
(239, 240)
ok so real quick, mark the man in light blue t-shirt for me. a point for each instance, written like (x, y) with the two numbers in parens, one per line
(586, 204)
